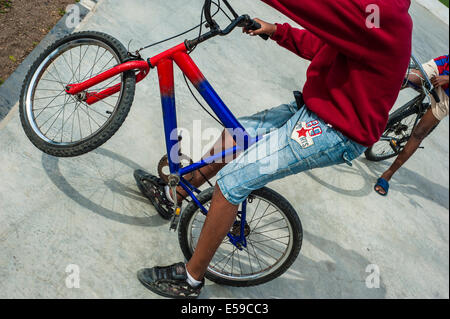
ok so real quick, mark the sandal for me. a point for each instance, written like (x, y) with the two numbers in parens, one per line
(154, 189)
(384, 184)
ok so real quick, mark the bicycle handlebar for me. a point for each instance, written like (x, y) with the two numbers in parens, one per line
(243, 21)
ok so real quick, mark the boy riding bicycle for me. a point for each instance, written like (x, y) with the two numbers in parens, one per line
(352, 83)
(437, 71)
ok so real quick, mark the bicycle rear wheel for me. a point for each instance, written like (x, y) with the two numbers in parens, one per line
(63, 125)
(273, 233)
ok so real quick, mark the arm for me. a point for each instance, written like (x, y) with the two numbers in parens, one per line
(301, 42)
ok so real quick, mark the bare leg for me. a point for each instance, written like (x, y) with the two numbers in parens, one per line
(224, 142)
(421, 131)
(219, 220)
(221, 215)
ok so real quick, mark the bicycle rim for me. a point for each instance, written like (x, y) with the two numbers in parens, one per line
(61, 119)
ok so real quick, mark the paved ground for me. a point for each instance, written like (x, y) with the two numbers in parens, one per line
(88, 212)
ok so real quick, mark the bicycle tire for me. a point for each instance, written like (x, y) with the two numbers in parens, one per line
(264, 193)
(114, 122)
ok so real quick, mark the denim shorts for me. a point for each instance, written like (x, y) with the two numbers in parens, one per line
(292, 141)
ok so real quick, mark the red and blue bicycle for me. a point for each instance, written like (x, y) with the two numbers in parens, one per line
(79, 92)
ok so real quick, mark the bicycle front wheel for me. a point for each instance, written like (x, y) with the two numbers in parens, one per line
(63, 125)
(273, 232)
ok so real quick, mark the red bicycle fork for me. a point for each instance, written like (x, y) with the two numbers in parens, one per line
(177, 54)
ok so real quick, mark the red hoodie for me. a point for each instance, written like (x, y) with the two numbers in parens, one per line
(356, 72)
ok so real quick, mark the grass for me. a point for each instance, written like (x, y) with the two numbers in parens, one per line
(5, 5)
(444, 2)
(1, 81)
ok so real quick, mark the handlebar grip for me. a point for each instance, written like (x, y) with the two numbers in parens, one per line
(435, 95)
(256, 26)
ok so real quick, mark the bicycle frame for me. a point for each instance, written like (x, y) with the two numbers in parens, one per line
(164, 62)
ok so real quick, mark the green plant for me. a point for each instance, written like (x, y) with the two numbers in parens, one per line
(5, 5)
(12, 58)
(446, 2)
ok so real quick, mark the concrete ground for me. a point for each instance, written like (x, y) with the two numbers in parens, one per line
(87, 211)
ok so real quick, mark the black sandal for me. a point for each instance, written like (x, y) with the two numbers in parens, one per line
(154, 189)
(170, 282)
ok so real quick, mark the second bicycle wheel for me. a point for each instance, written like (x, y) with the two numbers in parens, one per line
(63, 125)
(273, 233)
(395, 137)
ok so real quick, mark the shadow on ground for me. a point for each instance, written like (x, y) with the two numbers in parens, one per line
(103, 183)
(342, 275)
(408, 182)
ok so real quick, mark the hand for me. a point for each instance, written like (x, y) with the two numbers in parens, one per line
(439, 81)
(266, 28)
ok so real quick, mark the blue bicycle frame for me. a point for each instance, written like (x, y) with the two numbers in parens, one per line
(164, 62)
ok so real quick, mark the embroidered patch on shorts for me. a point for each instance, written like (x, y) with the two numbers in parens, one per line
(304, 133)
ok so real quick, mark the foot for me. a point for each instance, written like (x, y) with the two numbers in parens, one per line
(154, 189)
(169, 282)
(382, 185)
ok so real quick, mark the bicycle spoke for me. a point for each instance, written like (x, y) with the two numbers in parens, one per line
(73, 120)
(49, 104)
(48, 80)
(270, 224)
(52, 107)
(263, 217)
(270, 247)
(257, 259)
(221, 259)
(60, 111)
(268, 231)
(57, 73)
(267, 208)
(271, 239)
(92, 109)
(71, 64)
(90, 117)
(48, 97)
(267, 254)
(254, 214)
(93, 65)
(79, 123)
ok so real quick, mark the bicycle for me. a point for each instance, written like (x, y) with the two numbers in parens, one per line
(403, 121)
(81, 113)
